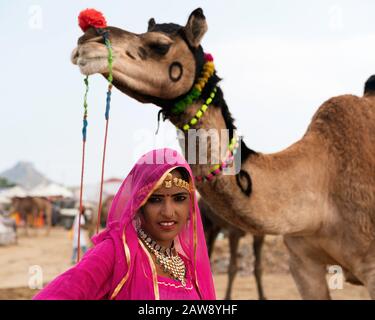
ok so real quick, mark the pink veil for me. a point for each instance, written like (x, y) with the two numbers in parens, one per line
(134, 276)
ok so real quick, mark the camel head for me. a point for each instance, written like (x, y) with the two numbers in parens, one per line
(15, 203)
(19, 204)
(157, 66)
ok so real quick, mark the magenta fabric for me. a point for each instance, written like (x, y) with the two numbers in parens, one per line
(123, 267)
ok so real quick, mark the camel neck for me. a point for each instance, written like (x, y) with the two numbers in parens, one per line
(277, 184)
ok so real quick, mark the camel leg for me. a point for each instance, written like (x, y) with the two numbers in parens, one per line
(308, 273)
(48, 220)
(212, 234)
(26, 225)
(234, 239)
(36, 214)
(368, 270)
(15, 228)
(257, 247)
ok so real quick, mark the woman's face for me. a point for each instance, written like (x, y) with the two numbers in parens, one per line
(166, 212)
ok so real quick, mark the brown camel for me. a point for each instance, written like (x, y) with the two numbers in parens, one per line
(319, 193)
(92, 223)
(30, 209)
(213, 225)
(105, 210)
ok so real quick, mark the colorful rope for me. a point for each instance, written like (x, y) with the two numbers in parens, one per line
(110, 75)
(86, 19)
(84, 137)
(85, 123)
(107, 42)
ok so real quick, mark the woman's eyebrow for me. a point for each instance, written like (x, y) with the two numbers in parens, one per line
(173, 195)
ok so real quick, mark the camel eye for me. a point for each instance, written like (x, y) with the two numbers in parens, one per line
(159, 48)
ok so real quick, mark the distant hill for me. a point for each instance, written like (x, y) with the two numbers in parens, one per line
(4, 183)
(25, 175)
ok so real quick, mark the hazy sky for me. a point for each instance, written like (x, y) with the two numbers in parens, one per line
(280, 60)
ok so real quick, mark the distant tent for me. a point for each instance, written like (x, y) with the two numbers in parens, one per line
(4, 200)
(6, 195)
(91, 192)
(51, 190)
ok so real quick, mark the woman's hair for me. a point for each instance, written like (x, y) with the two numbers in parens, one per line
(184, 173)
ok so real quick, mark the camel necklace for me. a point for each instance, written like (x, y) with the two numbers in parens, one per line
(217, 169)
(196, 91)
(167, 258)
(208, 71)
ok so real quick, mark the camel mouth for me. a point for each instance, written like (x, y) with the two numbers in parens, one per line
(92, 58)
(90, 61)
(92, 65)
(82, 62)
(89, 66)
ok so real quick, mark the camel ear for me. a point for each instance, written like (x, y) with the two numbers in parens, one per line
(151, 24)
(196, 27)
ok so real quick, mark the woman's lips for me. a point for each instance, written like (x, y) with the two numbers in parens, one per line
(167, 225)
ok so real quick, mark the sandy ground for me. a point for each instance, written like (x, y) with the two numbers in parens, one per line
(51, 255)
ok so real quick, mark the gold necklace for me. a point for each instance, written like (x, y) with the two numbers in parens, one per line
(167, 258)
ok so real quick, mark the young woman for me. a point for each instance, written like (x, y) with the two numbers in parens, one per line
(153, 246)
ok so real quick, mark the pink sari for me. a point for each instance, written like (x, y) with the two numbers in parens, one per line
(119, 267)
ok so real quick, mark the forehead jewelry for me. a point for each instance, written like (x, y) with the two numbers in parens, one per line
(169, 179)
(95, 19)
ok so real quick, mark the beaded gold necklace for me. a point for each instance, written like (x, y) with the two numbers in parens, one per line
(167, 258)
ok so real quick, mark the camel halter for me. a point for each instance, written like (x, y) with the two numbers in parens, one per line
(86, 19)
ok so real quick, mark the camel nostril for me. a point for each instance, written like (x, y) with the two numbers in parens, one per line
(74, 56)
(130, 55)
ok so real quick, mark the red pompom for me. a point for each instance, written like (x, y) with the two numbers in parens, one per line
(91, 18)
(208, 57)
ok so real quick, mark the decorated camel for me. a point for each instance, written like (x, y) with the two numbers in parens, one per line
(30, 209)
(92, 221)
(319, 193)
(105, 210)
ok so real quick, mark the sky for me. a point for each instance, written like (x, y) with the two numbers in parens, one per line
(279, 60)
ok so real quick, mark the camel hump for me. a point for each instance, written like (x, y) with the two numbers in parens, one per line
(370, 86)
